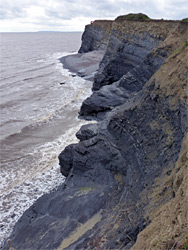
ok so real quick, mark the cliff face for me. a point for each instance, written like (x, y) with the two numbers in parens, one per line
(139, 144)
(129, 169)
(96, 36)
(168, 228)
(130, 43)
(149, 49)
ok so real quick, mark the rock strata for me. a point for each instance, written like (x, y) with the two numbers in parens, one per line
(121, 171)
(96, 36)
(130, 42)
(132, 79)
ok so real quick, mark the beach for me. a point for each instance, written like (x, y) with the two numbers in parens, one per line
(84, 65)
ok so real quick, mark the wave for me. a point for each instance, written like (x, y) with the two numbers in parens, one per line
(31, 128)
(38, 76)
(11, 121)
(8, 104)
(15, 136)
(19, 83)
(35, 69)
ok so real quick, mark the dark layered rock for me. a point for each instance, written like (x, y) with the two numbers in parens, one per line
(129, 44)
(117, 93)
(110, 96)
(96, 36)
(102, 101)
(143, 140)
(87, 131)
(55, 216)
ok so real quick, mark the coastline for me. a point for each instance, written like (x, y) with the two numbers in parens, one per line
(130, 165)
(57, 179)
(84, 65)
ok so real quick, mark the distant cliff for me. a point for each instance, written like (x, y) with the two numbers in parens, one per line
(127, 177)
(128, 43)
(136, 50)
(96, 36)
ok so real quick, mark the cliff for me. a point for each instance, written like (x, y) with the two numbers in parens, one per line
(136, 50)
(129, 45)
(127, 177)
(96, 36)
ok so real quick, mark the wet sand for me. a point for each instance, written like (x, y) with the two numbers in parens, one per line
(84, 65)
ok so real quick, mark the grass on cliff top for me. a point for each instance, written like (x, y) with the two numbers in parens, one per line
(185, 20)
(135, 17)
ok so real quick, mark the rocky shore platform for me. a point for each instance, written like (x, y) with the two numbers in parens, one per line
(84, 65)
(126, 179)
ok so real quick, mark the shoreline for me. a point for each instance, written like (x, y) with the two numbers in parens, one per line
(57, 178)
(84, 65)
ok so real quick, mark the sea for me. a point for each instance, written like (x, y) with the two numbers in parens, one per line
(39, 105)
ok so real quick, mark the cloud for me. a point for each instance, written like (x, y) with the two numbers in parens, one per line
(11, 13)
(75, 14)
(66, 10)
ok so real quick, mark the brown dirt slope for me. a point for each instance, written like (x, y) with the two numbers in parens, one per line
(169, 220)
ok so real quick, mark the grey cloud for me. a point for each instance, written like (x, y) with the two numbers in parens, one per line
(97, 9)
(58, 15)
(66, 9)
(103, 9)
(171, 9)
(51, 23)
(57, 11)
(11, 13)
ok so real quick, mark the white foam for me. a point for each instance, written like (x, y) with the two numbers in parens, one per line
(30, 184)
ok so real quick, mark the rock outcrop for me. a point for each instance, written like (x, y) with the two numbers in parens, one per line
(131, 167)
(135, 52)
(96, 36)
(130, 43)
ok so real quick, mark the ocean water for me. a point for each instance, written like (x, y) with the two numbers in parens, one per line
(38, 117)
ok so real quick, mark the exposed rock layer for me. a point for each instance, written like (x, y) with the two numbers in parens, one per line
(130, 43)
(151, 43)
(96, 36)
(111, 171)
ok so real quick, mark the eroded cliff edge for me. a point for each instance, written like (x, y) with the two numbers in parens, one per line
(129, 169)
(136, 50)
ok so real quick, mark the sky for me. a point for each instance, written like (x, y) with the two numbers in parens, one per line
(73, 15)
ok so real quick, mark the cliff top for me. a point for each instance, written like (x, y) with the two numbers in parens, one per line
(135, 17)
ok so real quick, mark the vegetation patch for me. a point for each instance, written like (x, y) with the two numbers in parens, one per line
(135, 17)
(185, 245)
(185, 20)
(180, 49)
